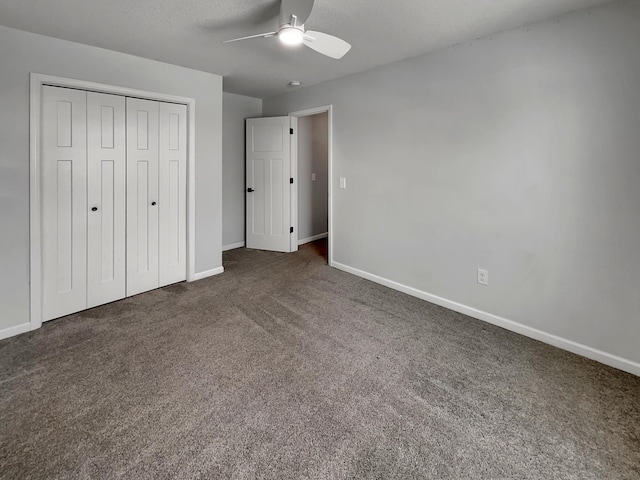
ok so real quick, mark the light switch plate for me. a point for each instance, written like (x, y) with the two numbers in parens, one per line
(343, 182)
(313, 177)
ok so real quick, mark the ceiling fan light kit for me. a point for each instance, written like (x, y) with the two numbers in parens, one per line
(291, 36)
(293, 14)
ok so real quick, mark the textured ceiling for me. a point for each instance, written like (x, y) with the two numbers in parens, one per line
(190, 32)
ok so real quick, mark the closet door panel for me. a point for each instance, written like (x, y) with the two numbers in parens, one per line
(106, 168)
(64, 201)
(173, 193)
(142, 195)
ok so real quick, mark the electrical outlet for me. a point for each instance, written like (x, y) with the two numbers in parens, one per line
(343, 182)
(313, 177)
(483, 276)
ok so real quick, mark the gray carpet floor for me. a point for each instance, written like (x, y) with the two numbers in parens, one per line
(283, 368)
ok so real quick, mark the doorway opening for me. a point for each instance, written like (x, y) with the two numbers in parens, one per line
(284, 162)
(311, 165)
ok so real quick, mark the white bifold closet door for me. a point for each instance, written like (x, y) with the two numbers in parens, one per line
(142, 202)
(63, 180)
(106, 193)
(114, 203)
(173, 194)
(156, 186)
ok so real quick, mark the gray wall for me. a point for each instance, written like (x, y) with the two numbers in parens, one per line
(22, 53)
(518, 153)
(235, 109)
(312, 158)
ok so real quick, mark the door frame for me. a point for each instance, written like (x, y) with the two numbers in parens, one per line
(294, 174)
(37, 81)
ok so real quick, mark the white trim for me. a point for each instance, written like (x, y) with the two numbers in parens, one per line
(232, 246)
(17, 330)
(330, 175)
(293, 202)
(208, 273)
(35, 234)
(37, 80)
(191, 190)
(104, 88)
(569, 345)
(304, 113)
(311, 111)
(313, 238)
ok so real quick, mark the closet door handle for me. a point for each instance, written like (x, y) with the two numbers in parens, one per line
(250, 190)
(153, 203)
(94, 209)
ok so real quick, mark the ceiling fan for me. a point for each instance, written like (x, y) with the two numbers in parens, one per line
(293, 14)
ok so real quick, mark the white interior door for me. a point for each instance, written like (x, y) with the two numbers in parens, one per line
(64, 201)
(268, 167)
(142, 195)
(172, 199)
(106, 193)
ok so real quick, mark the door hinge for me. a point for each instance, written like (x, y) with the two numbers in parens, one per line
(291, 180)
(291, 230)
(291, 131)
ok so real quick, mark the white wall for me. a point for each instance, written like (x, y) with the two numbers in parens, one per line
(312, 158)
(518, 153)
(235, 109)
(22, 53)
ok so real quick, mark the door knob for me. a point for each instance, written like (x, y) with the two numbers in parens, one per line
(250, 190)
(94, 209)
(153, 203)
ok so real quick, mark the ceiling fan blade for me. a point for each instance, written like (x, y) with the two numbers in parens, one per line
(300, 8)
(326, 44)
(263, 35)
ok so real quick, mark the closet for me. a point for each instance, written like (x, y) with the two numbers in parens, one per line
(113, 202)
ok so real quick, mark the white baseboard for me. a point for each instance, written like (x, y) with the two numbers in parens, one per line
(302, 241)
(231, 246)
(17, 330)
(207, 273)
(569, 345)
